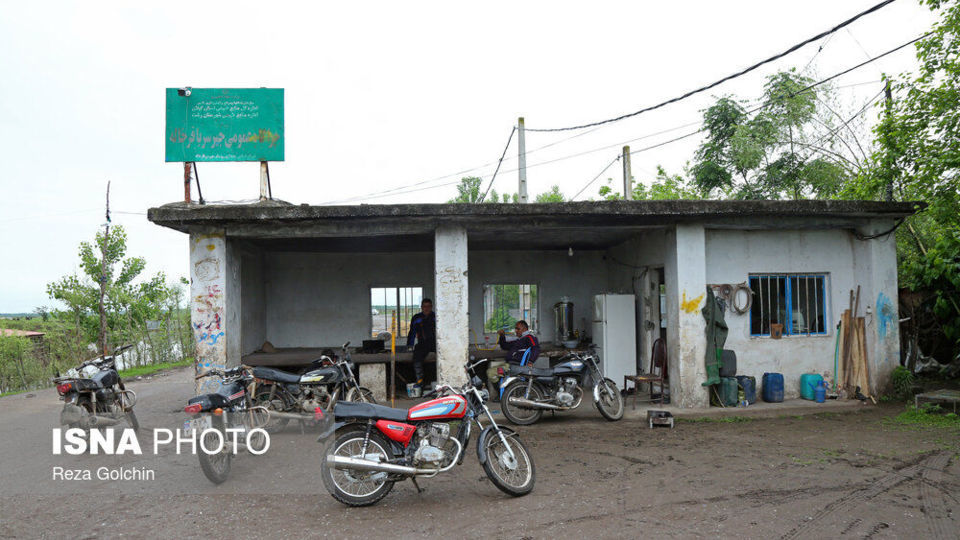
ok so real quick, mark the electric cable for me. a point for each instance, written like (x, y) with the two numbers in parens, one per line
(404, 189)
(504, 154)
(740, 73)
(616, 159)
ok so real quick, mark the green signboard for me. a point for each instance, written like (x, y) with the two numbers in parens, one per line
(224, 124)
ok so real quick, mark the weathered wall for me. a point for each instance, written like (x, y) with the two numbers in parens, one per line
(323, 299)
(452, 301)
(208, 306)
(732, 255)
(253, 306)
(685, 279)
(555, 273)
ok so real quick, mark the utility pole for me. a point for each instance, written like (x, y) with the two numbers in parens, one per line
(102, 340)
(522, 160)
(889, 105)
(264, 182)
(186, 181)
(627, 175)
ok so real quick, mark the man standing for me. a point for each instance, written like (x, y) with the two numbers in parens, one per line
(423, 329)
(517, 347)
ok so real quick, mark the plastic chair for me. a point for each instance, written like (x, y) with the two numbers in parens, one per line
(658, 372)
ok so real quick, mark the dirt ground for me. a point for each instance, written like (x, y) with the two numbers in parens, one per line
(850, 475)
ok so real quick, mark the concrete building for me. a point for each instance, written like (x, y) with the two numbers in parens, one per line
(300, 276)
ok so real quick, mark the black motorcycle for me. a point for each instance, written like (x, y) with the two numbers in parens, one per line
(94, 396)
(297, 396)
(527, 391)
(229, 408)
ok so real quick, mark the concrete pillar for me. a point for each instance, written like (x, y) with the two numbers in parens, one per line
(208, 306)
(685, 281)
(453, 330)
(374, 377)
(883, 327)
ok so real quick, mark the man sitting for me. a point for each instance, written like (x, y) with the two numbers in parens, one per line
(517, 347)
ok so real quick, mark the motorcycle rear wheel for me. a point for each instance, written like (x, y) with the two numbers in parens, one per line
(519, 415)
(514, 478)
(611, 402)
(215, 467)
(356, 488)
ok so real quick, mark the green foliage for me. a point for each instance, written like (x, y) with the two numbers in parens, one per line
(468, 190)
(902, 380)
(927, 415)
(138, 371)
(552, 196)
(664, 187)
(774, 153)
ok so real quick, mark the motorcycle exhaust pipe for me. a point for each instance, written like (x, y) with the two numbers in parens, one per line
(523, 402)
(356, 464)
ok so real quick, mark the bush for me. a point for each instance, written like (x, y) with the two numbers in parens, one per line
(903, 381)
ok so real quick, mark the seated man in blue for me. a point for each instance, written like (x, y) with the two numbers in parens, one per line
(517, 347)
(423, 330)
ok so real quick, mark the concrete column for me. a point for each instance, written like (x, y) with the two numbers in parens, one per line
(686, 279)
(208, 306)
(451, 301)
(883, 327)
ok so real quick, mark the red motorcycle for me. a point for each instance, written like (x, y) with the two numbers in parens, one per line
(375, 446)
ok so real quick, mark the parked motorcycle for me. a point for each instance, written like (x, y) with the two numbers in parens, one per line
(527, 391)
(94, 396)
(230, 407)
(291, 396)
(375, 446)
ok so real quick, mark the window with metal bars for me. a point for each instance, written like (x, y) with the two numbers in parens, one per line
(795, 301)
(391, 309)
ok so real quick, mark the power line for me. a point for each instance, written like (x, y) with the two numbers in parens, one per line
(584, 188)
(728, 77)
(405, 189)
(503, 155)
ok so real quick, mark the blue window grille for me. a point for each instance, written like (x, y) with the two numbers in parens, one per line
(796, 301)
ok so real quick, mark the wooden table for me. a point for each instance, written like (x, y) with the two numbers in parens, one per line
(939, 396)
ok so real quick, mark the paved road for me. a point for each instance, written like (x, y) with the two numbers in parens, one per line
(824, 476)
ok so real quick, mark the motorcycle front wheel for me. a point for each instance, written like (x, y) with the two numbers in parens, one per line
(363, 395)
(512, 475)
(610, 403)
(216, 467)
(353, 487)
(516, 414)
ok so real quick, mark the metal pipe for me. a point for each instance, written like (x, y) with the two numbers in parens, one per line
(358, 464)
(523, 402)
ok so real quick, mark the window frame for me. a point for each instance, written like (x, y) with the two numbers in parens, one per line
(423, 294)
(535, 327)
(788, 296)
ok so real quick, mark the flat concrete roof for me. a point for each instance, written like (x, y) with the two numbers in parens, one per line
(195, 217)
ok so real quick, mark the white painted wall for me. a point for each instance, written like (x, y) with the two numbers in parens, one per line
(323, 299)
(732, 255)
(555, 273)
(208, 305)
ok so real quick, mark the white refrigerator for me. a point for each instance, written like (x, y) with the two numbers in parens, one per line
(615, 334)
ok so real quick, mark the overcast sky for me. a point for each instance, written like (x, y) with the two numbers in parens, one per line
(379, 95)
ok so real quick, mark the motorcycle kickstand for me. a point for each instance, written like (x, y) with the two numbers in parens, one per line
(416, 485)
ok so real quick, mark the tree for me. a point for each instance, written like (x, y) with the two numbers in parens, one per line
(664, 187)
(129, 303)
(468, 190)
(552, 196)
(785, 150)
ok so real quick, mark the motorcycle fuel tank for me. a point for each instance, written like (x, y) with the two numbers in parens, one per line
(324, 375)
(445, 408)
(569, 367)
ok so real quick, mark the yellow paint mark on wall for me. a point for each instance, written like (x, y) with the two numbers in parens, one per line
(211, 247)
(690, 306)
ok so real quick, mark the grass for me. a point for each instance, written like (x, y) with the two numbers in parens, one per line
(930, 416)
(139, 371)
(717, 419)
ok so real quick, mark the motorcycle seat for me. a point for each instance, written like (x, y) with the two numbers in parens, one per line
(273, 374)
(350, 409)
(531, 371)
